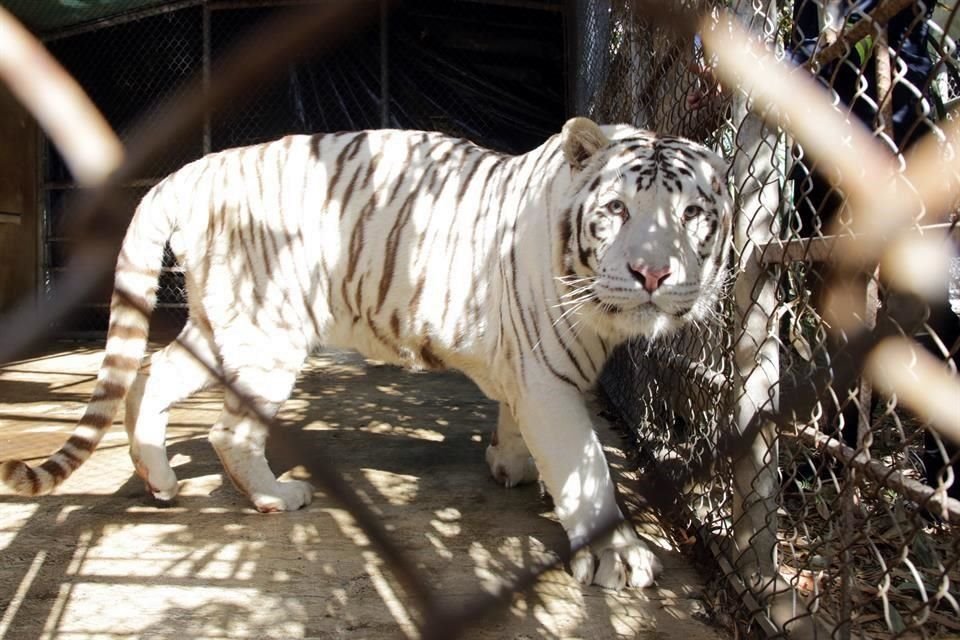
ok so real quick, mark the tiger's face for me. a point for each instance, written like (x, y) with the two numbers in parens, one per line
(644, 243)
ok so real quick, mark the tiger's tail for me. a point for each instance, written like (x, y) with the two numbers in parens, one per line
(134, 296)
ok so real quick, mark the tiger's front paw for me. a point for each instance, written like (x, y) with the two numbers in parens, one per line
(617, 561)
(161, 483)
(511, 467)
(288, 495)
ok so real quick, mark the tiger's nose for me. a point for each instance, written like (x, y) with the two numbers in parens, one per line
(648, 277)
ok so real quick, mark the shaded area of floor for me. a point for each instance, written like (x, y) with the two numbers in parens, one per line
(99, 559)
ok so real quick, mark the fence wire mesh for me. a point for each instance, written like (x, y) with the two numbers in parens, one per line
(847, 506)
(492, 73)
(844, 493)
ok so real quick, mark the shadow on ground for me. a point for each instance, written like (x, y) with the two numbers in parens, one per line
(100, 559)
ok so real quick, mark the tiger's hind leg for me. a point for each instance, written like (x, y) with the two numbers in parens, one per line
(174, 375)
(509, 459)
(240, 439)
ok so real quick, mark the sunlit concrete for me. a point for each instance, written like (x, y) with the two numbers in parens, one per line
(100, 560)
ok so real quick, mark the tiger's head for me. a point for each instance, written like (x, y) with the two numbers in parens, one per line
(644, 240)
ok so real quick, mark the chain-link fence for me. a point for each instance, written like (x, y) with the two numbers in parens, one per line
(489, 72)
(850, 506)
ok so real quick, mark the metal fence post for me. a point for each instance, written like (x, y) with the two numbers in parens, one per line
(756, 355)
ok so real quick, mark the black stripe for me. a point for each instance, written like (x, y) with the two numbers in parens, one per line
(55, 469)
(80, 443)
(468, 178)
(566, 235)
(348, 192)
(393, 241)
(348, 151)
(356, 245)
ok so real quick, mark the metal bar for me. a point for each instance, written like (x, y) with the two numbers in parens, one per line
(126, 184)
(849, 504)
(10, 218)
(177, 269)
(884, 79)
(40, 222)
(871, 303)
(756, 352)
(106, 305)
(206, 78)
(820, 249)
(936, 501)
(571, 56)
(879, 16)
(384, 66)
(123, 18)
(756, 356)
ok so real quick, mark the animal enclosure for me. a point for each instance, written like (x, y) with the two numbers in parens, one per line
(806, 452)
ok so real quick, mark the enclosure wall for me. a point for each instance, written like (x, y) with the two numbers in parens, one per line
(18, 202)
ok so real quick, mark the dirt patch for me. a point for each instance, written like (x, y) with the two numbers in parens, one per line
(99, 559)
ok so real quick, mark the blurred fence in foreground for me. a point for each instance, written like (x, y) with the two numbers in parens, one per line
(845, 511)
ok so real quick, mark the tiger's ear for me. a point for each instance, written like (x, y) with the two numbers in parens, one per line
(581, 138)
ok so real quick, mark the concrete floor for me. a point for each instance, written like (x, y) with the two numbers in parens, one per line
(100, 560)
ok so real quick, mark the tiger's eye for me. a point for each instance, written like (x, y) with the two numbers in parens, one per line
(617, 208)
(691, 212)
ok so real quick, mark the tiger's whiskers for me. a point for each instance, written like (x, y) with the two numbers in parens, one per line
(573, 306)
(576, 292)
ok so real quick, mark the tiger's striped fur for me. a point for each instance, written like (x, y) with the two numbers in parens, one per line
(415, 248)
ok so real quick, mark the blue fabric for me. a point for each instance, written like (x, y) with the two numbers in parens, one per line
(907, 34)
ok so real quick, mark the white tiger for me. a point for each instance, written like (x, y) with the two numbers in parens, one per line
(524, 272)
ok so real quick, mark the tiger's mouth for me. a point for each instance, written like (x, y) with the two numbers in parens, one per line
(643, 307)
(642, 319)
(618, 302)
(627, 308)
(646, 309)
